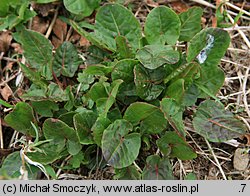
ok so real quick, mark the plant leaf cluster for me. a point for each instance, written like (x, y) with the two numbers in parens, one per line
(132, 93)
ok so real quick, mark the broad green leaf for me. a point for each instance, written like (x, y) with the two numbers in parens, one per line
(162, 26)
(150, 117)
(38, 51)
(127, 173)
(97, 91)
(45, 108)
(190, 176)
(123, 48)
(146, 87)
(176, 90)
(83, 122)
(208, 46)
(59, 131)
(44, 1)
(154, 56)
(215, 124)
(104, 104)
(20, 119)
(127, 93)
(98, 128)
(56, 93)
(48, 152)
(173, 113)
(82, 7)
(4, 8)
(98, 41)
(33, 76)
(175, 146)
(11, 165)
(123, 70)
(157, 169)
(68, 118)
(66, 60)
(98, 69)
(119, 147)
(97, 55)
(114, 20)
(210, 81)
(190, 23)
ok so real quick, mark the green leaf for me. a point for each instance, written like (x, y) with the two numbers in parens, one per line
(146, 87)
(190, 176)
(176, 90)
(210, 81)
(33, 76)
(45, 108)
(104, 104)
(127, 173)
(123, 70)
(177, 146)
(98, 41)
(82, 7)
(157, 169)
(83, 123)
(173, 113)
(114, 20)
(150, 117)
(120, 148)
(97, 91)
(44, 1)
(38, 51)
(59, 131)
(11, 165)
(66, 60)
(154, 56)
(215, 124)
(123, 48)
(100, 70)
(20, 119)
(162, 26)
(190, 23)
(48, 152)
(209, 46)
(98, 128)
(4, 8)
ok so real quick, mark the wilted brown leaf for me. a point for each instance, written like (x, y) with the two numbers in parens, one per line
(39, 24)
(60, 29)
(179, 6)
(44, 9)
(5, 40)
(84, 42)
(17, 48)
(241, 159)
(6, 92)
(151, 3)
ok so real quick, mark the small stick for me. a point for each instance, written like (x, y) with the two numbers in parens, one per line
(237, 8)
(244, 92)
(205, 3)
(240, 31)
(1, 135)
(52, 23)
(216, 160)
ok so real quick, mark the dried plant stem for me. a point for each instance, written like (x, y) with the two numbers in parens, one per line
(244, 92)
(1, 135)
(205, 3)
(237, 8)
(240, 31)
(52, 23)
(216, 160)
